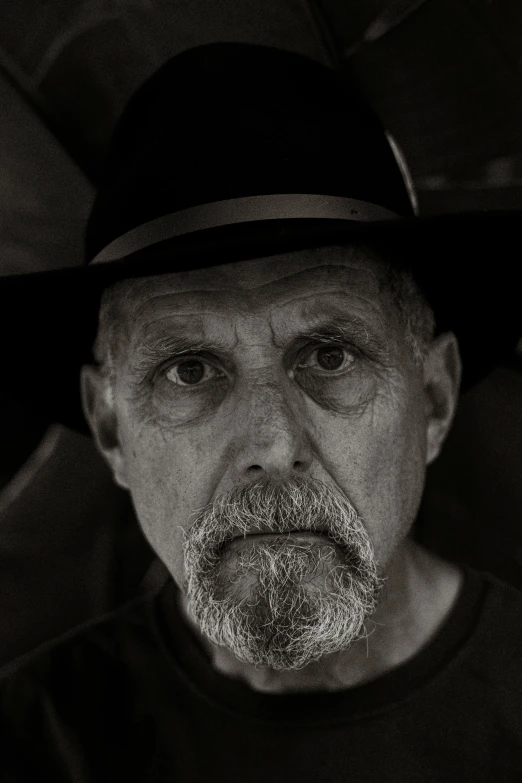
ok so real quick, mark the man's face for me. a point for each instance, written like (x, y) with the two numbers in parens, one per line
(287, 371)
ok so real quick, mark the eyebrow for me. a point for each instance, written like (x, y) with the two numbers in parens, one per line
(337, 329)
(151, 352)
(346, 329)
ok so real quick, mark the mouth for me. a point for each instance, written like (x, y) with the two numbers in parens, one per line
(296, 536)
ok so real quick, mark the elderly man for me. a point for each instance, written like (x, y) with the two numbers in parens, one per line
(278, 357)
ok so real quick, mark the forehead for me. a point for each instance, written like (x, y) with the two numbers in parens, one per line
(302, 281)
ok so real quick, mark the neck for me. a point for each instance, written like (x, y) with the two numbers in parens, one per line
(419, 593)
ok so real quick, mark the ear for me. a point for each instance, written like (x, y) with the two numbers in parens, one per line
(99, 410)
(442, 376)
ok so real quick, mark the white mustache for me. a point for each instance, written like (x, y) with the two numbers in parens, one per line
(264, 507)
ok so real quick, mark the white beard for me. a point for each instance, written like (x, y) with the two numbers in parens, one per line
(279, 600)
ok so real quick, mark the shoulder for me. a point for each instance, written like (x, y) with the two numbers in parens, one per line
(500, 625)
(495, 663)
(102, 632)
(502, 600)
(72, 703)
(492, 653)
(85, 659)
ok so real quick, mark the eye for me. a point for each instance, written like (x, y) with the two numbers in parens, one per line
(191, 372)
(329, 359)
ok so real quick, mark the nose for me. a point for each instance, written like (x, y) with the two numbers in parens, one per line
(272, 435)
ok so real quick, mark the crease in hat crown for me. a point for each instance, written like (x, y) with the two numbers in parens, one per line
(225, 134)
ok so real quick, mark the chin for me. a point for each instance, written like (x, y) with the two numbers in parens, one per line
(284, 605)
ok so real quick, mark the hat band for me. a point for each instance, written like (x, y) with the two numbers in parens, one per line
(240, 210)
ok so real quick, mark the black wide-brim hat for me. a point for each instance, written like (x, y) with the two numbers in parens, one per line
(233, 152)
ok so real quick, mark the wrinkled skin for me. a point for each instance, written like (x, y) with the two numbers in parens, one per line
(265, 405)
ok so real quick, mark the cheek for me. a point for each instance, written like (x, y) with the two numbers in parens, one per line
(378, 460)
(169, 478)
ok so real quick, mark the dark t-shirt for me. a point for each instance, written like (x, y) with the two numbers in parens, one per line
(132, 697)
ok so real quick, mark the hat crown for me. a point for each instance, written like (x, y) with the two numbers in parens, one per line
(228, 121)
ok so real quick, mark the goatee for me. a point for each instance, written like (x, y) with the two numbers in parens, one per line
(281, 574)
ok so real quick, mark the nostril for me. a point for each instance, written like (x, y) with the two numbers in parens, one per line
(255, 469)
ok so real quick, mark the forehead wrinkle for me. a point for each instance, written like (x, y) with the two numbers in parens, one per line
(194, 328)
(234, 285)
(300, 311)
(340, 256)
(375, 307)
(140, 307)
(327, 268)
(322, 275)
(356, 297)
(247, 301)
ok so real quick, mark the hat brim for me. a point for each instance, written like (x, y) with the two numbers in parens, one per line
(465, 264)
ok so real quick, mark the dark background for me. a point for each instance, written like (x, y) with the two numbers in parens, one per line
(445, 78)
